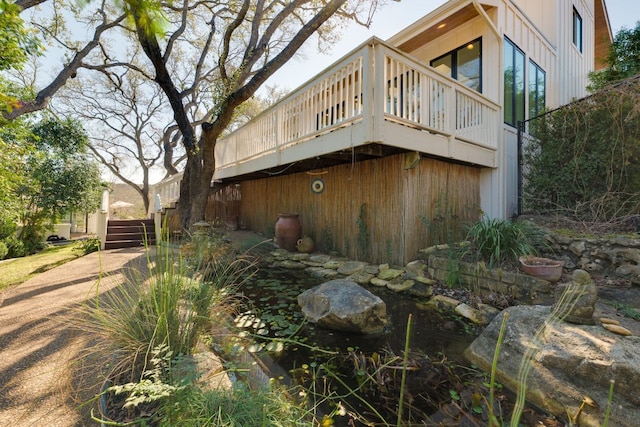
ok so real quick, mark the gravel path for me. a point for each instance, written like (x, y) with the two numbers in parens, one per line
(41, 380)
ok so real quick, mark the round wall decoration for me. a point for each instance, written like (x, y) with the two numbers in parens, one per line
(317, 185)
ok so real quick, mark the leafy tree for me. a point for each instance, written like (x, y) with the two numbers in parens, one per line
(16, 42)
(249, 41)
(623, 60)
(54, 177)
(237, 45)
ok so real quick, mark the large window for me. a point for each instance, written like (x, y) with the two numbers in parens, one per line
(463, 64)
(577, 30)
(537, 89)
(514, 67)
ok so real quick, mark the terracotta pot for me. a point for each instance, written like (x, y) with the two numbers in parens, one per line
(288, 231)
(542, 268)
(305, 245)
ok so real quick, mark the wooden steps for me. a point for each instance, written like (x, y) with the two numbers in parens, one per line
(128, 233)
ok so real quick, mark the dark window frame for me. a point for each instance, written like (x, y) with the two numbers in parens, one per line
(539, 100)
(577, 34)
(454, 61)
(515, 108)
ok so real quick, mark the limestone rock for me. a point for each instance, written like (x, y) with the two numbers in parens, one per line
(389, 274)
(378, 282)
(320, 258)
(351, 267)
(299, 256)
(345, 306)
(576, 300)
(443, 301)
(333, 264)
(400, 285)
(416, 268)
(322, 272)
(470, 313)
(294, 265)
(568, 362)
(421, 290)
(360, 277)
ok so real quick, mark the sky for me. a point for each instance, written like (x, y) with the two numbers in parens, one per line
(391, 19)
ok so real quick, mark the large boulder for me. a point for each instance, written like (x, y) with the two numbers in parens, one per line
(568, 363)
(344, 305)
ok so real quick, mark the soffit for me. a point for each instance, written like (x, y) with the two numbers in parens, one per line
(603, 35)
(437, 28)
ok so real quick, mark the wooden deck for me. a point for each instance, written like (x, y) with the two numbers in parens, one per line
(376, 95)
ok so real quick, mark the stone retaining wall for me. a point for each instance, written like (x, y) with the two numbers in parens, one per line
(616, 257)
(516, 284)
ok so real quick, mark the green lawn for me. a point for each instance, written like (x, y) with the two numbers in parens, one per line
(18, 270)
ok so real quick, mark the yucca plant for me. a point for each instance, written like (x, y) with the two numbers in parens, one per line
(497, 240)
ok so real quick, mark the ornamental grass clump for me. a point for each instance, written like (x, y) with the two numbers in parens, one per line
(498, 241)
(168, 305)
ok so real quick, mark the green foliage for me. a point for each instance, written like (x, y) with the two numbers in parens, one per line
(623, 59)
(15, 247)
(168, 309)
(88, 246)
(498, 240)
(152, 386)
(363, 230)
(44, 173)
(585, 160)
(4, 251)
(326, 239)
(16, 42)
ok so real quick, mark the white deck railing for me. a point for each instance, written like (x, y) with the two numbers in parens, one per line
(374, 83)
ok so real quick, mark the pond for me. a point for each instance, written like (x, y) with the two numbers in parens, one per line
(291, 343)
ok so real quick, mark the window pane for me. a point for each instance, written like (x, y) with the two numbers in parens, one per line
(542, 91)
(519, 84)
(468, 65)
(533, 90)
(577, 30)
(537, 82)
(444, 65)
(508, 82)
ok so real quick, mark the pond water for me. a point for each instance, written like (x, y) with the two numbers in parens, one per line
(441, 383)
(273, 293)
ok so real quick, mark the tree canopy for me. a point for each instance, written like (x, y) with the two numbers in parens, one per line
(623, 60)
(46, 175)
(208, 57)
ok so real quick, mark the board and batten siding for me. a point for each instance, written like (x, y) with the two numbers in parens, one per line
(371, 210)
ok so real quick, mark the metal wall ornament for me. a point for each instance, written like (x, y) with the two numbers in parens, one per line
(317, 185)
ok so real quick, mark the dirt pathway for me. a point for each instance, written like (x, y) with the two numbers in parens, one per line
(39, 384)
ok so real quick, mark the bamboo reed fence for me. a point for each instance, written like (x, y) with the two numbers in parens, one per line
(380, 211)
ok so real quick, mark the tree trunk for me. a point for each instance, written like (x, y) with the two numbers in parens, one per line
(196, 181)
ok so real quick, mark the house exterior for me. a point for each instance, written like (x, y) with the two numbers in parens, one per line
(404, 137)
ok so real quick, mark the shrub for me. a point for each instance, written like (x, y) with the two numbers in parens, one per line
(497, 241)
(3, 250)
(15, 247)
(33, 239)
(88, 246)
(584, 160)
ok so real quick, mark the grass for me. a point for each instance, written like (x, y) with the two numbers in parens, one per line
(19, 270)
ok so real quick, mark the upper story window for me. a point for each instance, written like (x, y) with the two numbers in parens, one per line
(577, 29)
(537, 89)
(463, 64)
(514, 68)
